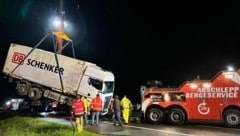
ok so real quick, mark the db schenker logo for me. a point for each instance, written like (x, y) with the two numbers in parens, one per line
(18, 58)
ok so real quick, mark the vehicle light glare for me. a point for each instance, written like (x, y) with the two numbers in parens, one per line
(193, 85)
(207, 85)
(8, 103)
(230, 68)
(166, 97)
(228, 74)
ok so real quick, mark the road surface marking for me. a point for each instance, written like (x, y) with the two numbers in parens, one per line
(164, 131)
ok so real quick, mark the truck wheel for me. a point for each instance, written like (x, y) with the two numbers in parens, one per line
(35, 93)
(231, 117)
(155, 115)
(176, 116)
(22, 88)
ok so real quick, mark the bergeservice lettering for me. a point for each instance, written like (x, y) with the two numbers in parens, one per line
(215, 92)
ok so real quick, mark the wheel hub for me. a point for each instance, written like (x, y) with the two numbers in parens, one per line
(233, 119)
(154, 116)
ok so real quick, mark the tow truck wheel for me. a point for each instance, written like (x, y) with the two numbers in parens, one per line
(35, 93)
(22, 88)
(176, 116)
(231, 117)
(155, 115)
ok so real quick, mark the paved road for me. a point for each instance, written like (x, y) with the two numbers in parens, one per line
(106, 127)
(138, 129)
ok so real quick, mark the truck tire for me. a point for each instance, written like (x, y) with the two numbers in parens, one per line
(176, 116)
(231, 117)
(155, 116)
(35, 93)
(22, 88)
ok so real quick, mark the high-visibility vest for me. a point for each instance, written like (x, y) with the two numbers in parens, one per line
(125, 103)
(86, 105)
(78, 107)
(96, 104)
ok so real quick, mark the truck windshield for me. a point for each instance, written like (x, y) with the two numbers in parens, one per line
(108, 87)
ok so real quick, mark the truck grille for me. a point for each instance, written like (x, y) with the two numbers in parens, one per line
(106, 104)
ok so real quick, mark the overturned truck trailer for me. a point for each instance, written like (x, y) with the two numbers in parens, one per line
(39, 73)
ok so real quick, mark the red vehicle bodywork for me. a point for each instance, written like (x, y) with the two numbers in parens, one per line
(207, 100)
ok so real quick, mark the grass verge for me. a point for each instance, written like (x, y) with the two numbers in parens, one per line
(15, 124)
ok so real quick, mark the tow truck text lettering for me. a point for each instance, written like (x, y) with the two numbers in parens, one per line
(218, 90)
(212, 95)
(214, 92)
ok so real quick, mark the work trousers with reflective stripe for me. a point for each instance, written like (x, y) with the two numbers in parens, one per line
(79, 123)
(125, 114)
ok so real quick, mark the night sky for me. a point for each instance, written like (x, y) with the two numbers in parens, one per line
(171, 41)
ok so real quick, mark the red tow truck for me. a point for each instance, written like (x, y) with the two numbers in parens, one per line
(215, 100)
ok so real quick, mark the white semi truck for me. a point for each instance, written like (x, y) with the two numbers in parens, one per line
(38, 75)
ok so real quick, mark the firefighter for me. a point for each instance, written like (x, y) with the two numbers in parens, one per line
(78, 111)
(96, 108)
(126, 108)
(86, 110)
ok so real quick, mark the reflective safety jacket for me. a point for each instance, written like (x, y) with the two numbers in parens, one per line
(126, 103)
(78, 107)
(96, 104)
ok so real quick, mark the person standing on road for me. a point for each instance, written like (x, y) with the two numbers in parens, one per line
(96, 108)
(126, 108)
(117, 111)
(111, 108)
(86, 110)
(78, 111)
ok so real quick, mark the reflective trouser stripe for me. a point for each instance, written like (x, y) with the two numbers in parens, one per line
(125, 114)
(79, 124)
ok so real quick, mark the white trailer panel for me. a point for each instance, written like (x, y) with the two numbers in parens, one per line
(41, 67)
